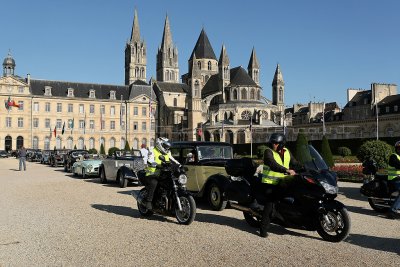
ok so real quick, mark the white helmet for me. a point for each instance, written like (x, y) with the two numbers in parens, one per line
(163, 145)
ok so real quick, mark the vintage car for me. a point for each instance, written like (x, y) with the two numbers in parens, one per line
(45, 157)
(57, 157)
(3, 154)
(206, 168)
(86, 167)
(122, 167)
(71, 156)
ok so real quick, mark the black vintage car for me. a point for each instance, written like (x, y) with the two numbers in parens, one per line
(3, 154)
(57, 157)
(71, 156)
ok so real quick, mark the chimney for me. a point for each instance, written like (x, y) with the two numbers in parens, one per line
(28, 79)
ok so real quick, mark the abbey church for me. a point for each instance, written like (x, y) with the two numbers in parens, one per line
(212, 101)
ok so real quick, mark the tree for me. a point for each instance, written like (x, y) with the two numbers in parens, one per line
(344, 151)
(74, 146)
(127, 148)
(260, 151)
(111, 150)
(302, 152)
(376, 150)
(102, 150)
(326, 152)
(93, 151)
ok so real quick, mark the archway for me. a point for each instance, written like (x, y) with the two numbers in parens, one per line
(229, 137)
(20, 142)
(216, 136)
(241, 137)
(8, 143)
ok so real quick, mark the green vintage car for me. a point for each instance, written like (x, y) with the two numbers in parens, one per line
(206, 169)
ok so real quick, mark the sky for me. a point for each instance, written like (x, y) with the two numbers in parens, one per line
(322, 47)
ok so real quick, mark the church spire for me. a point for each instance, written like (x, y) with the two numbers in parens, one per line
(278, 78)
(167, 57)
(223, 58)
(254, 68)
(203, 48)
(278, 88)
(135, 35)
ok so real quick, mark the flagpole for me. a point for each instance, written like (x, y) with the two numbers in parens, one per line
(323, 120)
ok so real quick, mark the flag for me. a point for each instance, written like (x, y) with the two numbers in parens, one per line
(7, 103)
(63, 128)
(72, 125)
(55, 131)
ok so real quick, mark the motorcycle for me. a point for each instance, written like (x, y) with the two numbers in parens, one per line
(381, 193)
(170, 196)
(308, 203)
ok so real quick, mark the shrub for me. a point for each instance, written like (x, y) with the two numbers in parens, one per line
(344, 151)
(376, 150)
(112, 150)
(93, 151)
(260, 151)
(326, 152)
(301, 154)
(127, 148)
(102, 150)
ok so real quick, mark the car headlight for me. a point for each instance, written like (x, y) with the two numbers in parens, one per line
(89, 167)
(182, 179)
(330, 189)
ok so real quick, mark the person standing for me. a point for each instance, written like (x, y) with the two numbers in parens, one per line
(145, 153)
(22, 158)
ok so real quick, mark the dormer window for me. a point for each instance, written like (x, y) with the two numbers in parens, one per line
(365, 101)
(112, 95)
(47, 91)
(92, 93)
(70, 92)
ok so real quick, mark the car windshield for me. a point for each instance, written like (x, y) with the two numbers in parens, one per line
(311, 159)
(214, 152)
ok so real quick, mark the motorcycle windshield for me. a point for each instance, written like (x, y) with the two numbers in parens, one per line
(311, 159)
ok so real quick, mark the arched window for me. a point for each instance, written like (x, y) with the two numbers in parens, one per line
(199, 65)
(81, 143)
(252, 93)
(235, 94)
(227, 95)
(243, 94)
(144, 141)
(46, 143)
(91, 143)
(35, 142)
(112, 142)
(20, 142)
(172, 75)
(102, 141)
(258, 95)
(137, 72)
(175, 102)
(280, 94)
(196, 88)
(152, 142)
(70, 143)
(135, 143)
(122, 143)
(142, 73)
(209, 65)
(167, 75)
(206, 78)
(58, 143)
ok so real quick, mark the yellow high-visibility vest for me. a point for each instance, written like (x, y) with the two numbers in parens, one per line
(152, 170)
(271, 177)
(392, 171)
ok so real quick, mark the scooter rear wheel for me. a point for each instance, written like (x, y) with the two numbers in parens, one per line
(373, 203)
(335, 225)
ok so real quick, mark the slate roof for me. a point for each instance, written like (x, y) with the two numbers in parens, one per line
(358, 99)
(390, 100)
(140, 82)
(137, 90)
(239, 76)
(172, 87)
(203, 48)
(81, 90)
(211, 86)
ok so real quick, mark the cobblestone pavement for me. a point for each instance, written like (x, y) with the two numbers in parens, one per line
(49, 218)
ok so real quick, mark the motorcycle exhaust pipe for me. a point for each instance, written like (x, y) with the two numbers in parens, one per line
(135, 194)
(243, 208)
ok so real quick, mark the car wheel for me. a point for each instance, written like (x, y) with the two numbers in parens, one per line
(103, 178)
(123, 182)
(215, 198)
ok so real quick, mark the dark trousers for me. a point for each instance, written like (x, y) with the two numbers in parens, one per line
(151, 182)
(396, 185)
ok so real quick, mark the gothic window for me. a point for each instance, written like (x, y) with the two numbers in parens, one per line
(137, 72)
(172, 75)
(206, 78)
(235, 94)
(167, 75)
(280, 94)
(246, 115)
(264, 115)
(243, 94)
(196, 88)
(227, 95)
(209, 65)
(199, 65)
(258, 95)
(175, 102)
(252, 93)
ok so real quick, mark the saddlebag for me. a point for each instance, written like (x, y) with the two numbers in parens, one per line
(239, 191)
(375, 188)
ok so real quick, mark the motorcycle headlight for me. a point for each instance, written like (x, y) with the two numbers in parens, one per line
(330, 189)
(182, 179)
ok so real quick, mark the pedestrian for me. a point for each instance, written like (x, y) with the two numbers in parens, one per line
(145, 153)
(22, 158)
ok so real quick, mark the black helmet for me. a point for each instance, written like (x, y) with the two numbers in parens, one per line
(397, 147)
(277, 138)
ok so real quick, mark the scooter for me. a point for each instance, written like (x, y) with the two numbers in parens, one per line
(308, 203)
(381, 193)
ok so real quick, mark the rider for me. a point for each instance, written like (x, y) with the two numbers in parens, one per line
(394, 175)
(278, 163)
(152, 175)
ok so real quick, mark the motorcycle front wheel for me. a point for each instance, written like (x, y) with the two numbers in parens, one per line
(335, 225)
(188, 213)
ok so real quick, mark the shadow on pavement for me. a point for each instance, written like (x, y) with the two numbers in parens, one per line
(374, 242)
(352, 193)
(365, 211)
